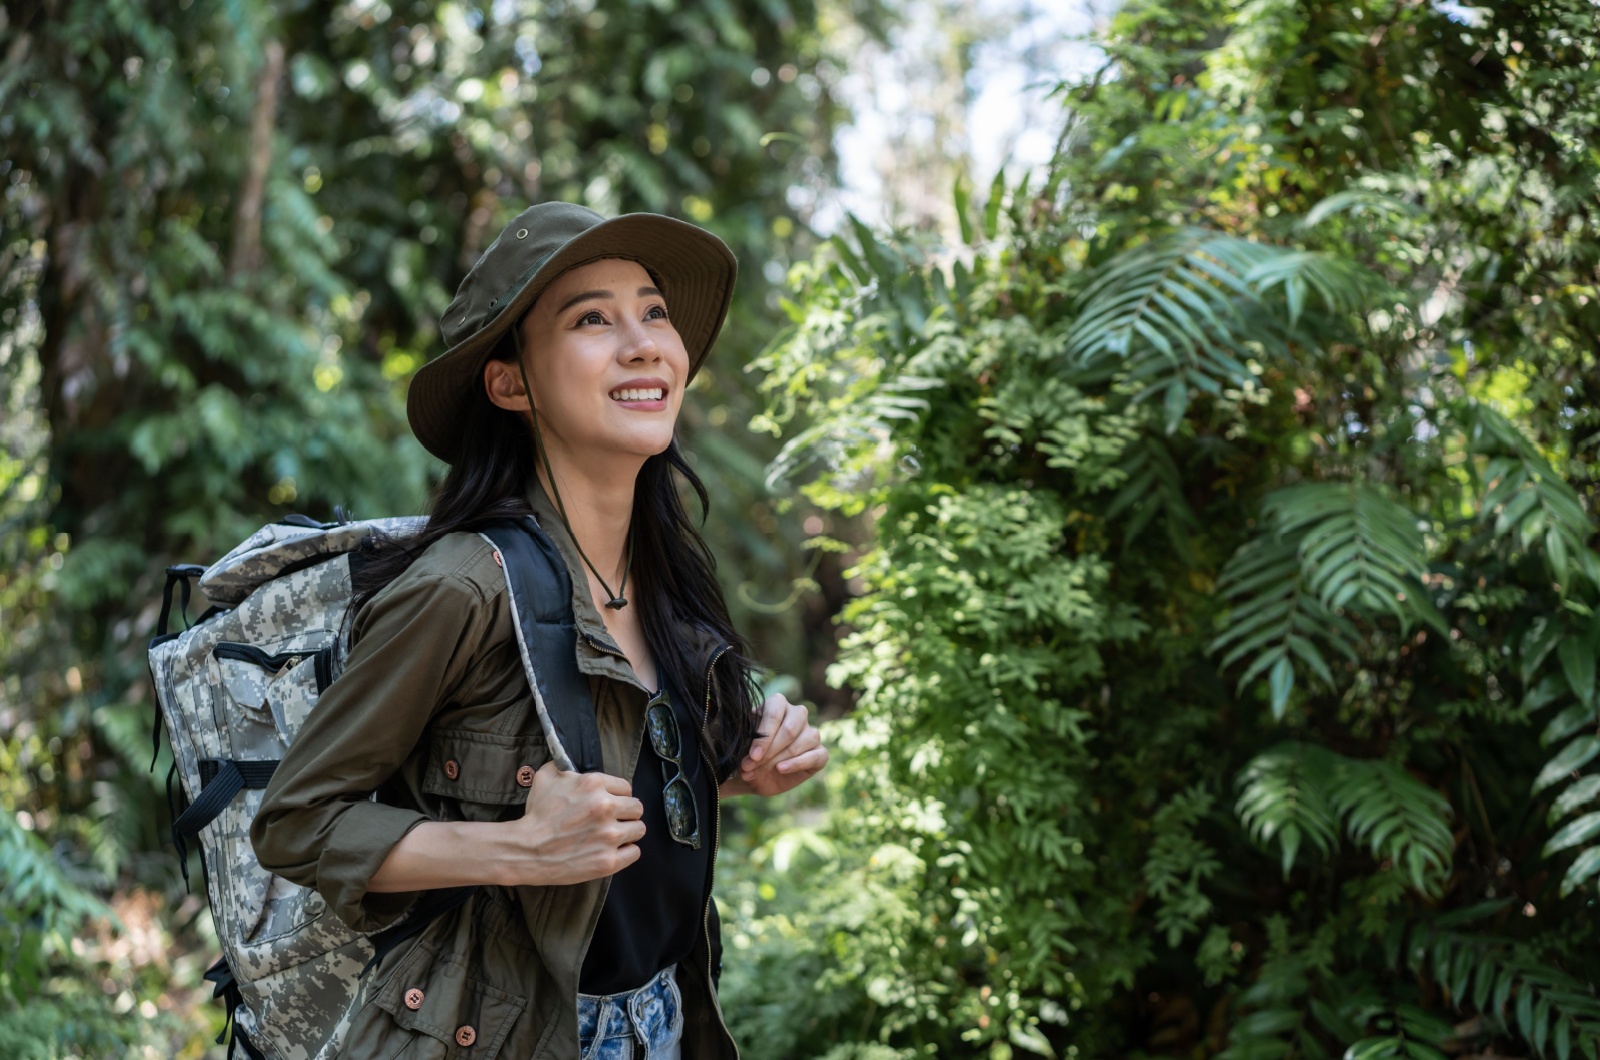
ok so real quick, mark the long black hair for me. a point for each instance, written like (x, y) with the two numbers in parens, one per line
(674, 572)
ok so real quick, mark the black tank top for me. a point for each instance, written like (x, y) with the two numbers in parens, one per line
(652, 913)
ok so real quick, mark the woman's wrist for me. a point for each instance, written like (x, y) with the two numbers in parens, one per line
(734, 785)
(439, 854)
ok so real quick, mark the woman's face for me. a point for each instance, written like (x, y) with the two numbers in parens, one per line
(605, 363)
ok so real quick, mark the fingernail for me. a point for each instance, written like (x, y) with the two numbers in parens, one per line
(755, 754)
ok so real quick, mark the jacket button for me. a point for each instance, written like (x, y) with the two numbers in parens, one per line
(413, 999)
(465, 1036)
(525, 776)
(451, 769)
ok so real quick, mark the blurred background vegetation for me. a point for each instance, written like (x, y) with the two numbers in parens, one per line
(1189, 533)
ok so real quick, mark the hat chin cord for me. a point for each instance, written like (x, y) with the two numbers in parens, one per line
(617, 601)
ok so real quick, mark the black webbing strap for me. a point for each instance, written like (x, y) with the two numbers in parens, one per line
(220, 780)
(178, 576)
(430, 907)
(227, 988)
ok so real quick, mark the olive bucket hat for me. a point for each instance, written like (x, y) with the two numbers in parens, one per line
(695, 268)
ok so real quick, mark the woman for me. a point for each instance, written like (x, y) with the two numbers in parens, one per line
(592, 931)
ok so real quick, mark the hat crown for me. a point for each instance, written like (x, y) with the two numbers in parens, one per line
(508, 263)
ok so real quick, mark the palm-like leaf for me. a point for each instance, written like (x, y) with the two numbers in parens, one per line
(1326, 548)
(1299, 793)
(1275, 618)
(1526, 498)
(1284, 796)
(1396, 817)
(1358, 549)
(1187, 311)
(1508, 982)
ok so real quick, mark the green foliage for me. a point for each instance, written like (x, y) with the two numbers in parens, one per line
(1239, 450)
(1305, 792)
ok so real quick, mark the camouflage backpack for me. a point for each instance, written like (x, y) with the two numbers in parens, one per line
(234, 689)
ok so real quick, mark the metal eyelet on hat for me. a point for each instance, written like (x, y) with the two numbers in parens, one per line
(522, 233)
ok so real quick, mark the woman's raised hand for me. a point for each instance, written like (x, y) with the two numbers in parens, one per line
(575, 827)
(786, 754)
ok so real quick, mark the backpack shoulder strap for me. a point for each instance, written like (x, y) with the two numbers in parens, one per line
(540, 592)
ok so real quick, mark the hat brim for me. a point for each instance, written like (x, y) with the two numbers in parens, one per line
(697, 271)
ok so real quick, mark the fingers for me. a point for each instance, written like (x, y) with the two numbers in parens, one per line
(615, 785)
(628, 809)
(805, 763)
(772, 712)
(793, 722)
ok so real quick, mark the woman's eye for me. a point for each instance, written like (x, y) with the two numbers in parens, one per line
(594, 314)
(658, 309)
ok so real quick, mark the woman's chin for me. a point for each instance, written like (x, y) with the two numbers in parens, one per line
(638, 444)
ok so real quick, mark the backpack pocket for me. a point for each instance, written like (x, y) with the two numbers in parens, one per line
(272, 687)
(450, 1014)
(487, 776)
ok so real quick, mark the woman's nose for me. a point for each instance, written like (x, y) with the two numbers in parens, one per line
(639, 344)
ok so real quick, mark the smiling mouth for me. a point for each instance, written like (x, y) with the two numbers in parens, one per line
(652, 393)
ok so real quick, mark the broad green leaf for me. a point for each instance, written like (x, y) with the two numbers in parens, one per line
(1572, 757)
(1577, 656)
(1574, 833)
(1281, 682)
(1569, 721)
(991, 209)
(1585, 866)
(1578, 793)
(963, 204)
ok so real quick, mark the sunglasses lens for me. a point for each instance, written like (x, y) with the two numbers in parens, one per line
(663, 728)
(681, 817)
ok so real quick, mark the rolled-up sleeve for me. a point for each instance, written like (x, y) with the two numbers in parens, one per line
(319, 826)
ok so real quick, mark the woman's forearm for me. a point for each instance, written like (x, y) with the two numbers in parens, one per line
(438, 854)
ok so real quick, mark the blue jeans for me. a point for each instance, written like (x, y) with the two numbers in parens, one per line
(641, 1024)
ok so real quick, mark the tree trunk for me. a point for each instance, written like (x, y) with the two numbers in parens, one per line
(246, 254)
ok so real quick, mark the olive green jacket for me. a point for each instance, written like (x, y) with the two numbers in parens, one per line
(432, 719)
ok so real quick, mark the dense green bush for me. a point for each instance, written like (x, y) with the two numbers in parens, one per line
(1188, 708)
(1225, 652)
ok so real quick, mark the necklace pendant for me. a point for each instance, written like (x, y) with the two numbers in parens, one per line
(617, 603)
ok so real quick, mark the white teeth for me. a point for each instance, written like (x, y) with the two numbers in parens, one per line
(651, 394)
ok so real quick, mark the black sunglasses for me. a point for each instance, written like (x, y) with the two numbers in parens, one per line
(683, 813)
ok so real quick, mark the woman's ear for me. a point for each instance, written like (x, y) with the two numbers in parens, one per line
(503, 381)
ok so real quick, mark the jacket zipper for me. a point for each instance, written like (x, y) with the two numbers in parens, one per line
(716, 839)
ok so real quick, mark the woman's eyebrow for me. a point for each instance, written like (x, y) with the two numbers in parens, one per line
(644, 292)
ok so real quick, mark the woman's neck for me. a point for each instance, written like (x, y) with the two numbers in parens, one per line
(598, 508)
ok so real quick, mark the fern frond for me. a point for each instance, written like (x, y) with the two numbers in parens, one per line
(1154, 485)
(1358, 549)
(1184, 311)
(1274, 617)
(1299, 792)
(1397, 817)
(1509, 984)
(1526, 499)
(1284, 796)
(1328, 547)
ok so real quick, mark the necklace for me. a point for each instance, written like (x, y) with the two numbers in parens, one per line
(617, 601)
